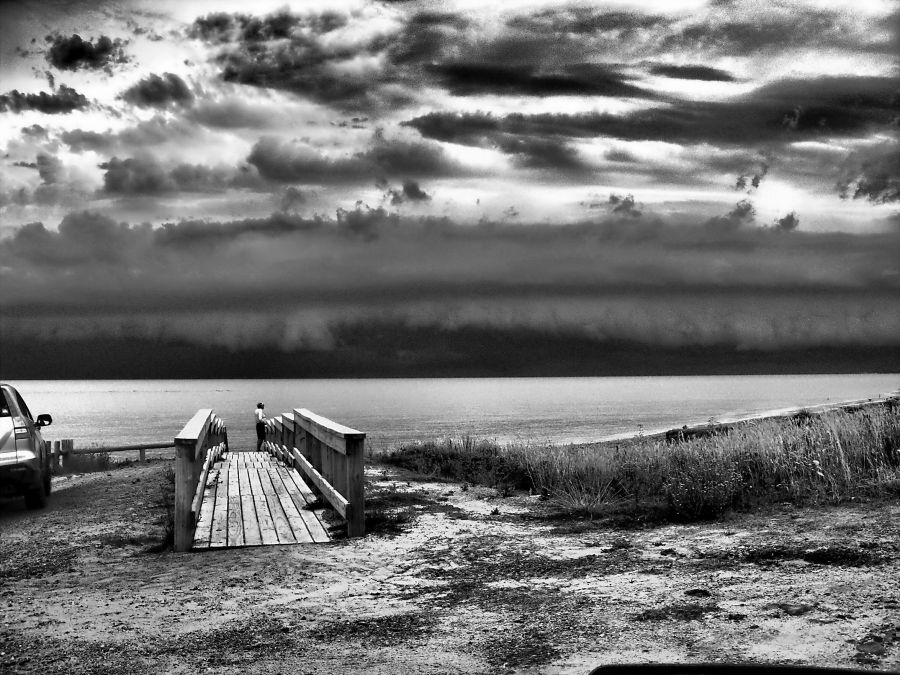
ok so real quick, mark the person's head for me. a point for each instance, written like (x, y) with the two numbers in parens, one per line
(260, 405)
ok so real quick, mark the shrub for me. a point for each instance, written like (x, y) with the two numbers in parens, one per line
(804, 459)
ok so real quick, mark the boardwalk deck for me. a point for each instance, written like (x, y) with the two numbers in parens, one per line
(252, 500)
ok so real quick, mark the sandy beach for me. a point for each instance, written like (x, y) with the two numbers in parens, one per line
(472, 582)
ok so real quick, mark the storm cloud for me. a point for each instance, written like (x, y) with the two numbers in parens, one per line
(291, 283)
(72, 53)
(63, 100)
(145, 175)
(296, 161)
(465, 79)
(156, 91)
(781, 111)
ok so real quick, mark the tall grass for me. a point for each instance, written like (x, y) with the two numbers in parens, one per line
(810, 459)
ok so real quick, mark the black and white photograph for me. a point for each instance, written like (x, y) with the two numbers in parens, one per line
(381, 336)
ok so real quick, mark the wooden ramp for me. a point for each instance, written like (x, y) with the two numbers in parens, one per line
(253, 500)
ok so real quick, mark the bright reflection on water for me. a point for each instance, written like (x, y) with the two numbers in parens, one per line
(540, 410)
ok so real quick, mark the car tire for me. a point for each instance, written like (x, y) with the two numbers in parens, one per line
(47, 484)
(36, 498)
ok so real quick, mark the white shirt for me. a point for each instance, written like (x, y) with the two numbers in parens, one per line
(260, 415)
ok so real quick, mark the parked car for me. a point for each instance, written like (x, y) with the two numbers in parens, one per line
(24, 454)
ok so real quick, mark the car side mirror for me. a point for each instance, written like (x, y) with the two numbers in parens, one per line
(43, 421)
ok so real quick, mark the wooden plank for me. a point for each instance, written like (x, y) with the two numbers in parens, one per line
(235, 526)
(315, 531)
(331, 433)
(282, 526)
(267, 530)
(203, 533)
(219, 535)
(333, 496)
(252, 535)
(122, 448)
(298, 525)
(353, 488)
(201, 484)
(184, 495)
(311, 518)
(196, 429)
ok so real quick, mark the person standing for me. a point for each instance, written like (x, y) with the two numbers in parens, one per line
(260, 415)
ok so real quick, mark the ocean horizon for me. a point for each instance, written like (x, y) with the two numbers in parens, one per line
(542, 410)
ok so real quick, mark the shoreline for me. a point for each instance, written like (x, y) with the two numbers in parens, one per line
(719, 424)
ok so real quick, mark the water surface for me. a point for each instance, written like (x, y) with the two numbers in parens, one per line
(540, 410)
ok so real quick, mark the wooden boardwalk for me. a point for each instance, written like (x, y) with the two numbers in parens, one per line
(253, 500)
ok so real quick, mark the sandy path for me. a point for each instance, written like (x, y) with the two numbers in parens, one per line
(474, 583)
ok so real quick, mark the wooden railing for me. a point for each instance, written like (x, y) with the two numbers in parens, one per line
(66, 448)
(331, 456)
(201, 442)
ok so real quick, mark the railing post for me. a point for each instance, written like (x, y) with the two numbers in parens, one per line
(355, 488)
(184, 493)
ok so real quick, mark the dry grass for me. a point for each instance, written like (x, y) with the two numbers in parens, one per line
(808, 459)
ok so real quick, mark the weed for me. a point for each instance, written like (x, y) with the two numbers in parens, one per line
(98, 461)
(806, 459)
(166, 502)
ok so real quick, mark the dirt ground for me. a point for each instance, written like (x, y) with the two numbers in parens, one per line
(471, 582)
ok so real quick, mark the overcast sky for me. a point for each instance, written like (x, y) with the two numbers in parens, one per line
(415, 183)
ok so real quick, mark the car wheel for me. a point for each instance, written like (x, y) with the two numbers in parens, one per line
(36, 498)
(47, 485)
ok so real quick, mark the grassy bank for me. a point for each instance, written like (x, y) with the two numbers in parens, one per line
(807, 459)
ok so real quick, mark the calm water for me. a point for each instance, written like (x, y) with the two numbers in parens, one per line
(558, 410)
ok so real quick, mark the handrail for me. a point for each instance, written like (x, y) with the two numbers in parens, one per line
(331, 456)
(204, 438)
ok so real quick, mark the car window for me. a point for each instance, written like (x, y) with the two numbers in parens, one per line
(23, 407)
(4, 406)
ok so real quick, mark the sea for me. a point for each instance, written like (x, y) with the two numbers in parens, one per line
(544, 410)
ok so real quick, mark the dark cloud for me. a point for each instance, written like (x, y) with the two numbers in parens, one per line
(298, 162)
(409, 191)
(586, 20)
(692, 72)
(72, 53)
(80, 140)
(624, 206)
(159, 92)
(144, 175)
(413, 192)
(155, 131)
(752, 178)
(427, 37)
(294, 52)
(288, 282)
(542, 153)
(35, 131)
(63, 100)
(292, 199)
(49, 167)
(785, 111)
(788, 223)
(135, 175)
(220, 27)
(873, 175)
(468, 78)
(769, 31)
(743, 214)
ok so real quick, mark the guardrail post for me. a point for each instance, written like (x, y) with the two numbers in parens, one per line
(184, 493)
(355, 488)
